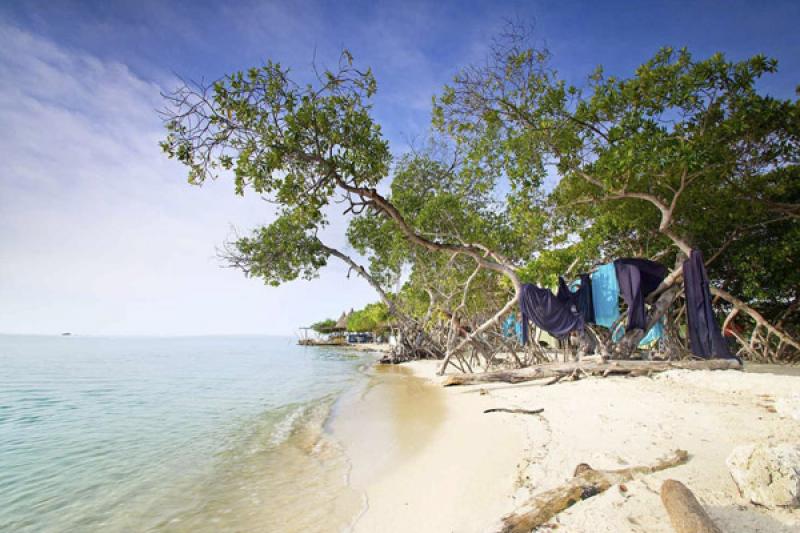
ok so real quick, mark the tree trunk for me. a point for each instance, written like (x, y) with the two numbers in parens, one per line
(757, 317)
(486, 258)
(602, 369)
(361, 271)
(480, 329)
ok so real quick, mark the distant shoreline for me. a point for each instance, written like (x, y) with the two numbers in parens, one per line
(382, 347)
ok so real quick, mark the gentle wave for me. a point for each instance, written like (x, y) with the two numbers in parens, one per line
(217, 434)
(285, 427)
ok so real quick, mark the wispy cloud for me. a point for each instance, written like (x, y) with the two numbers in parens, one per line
(99, 233)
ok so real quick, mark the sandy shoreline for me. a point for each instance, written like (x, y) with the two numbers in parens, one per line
(437, 463)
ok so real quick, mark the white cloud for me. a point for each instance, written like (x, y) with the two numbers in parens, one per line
(99, 232)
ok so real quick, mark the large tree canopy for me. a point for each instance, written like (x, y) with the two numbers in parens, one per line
(307, 147)
(527, 178)
(682, 154)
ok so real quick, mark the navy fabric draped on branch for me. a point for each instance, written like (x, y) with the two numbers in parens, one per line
(581, 297)
(547, 311)
(567, 311)
(637, 278)
(705, 337)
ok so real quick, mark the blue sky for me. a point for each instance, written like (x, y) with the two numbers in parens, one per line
(99, 234)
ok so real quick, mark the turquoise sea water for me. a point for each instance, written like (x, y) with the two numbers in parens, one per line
(135, 434)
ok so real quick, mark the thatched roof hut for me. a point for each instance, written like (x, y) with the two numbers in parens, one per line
(341, 324)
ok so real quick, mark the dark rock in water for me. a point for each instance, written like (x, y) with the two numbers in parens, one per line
(66, 334)
(393, 359)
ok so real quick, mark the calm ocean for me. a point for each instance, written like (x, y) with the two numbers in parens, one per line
(178, 434)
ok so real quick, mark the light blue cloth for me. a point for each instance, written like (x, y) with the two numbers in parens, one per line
(605, 295)
(512, 326)
(655, 333)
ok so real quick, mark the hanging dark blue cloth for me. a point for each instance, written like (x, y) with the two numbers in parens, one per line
(584, 299)
(564, 294)
(547, 312)
(637, 278)
(581, 297)
(705, 337)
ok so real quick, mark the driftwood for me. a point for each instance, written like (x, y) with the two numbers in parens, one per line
(685, 512)
(517, 411)
(587, 483)
(560, 370)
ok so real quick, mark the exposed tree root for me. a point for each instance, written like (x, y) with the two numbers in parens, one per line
(586, 483)
(556, 370)
(771, 330)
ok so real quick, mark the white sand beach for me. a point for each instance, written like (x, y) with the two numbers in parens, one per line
(450, 467)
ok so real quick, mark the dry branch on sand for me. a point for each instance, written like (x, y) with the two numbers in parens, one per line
(515, 411)
(586, 483)
(601, 369)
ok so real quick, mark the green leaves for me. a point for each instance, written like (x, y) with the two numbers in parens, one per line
(536, 170)
(372, 318)
(296, 146)
(692, 136)
(282, 251)
(324, 326)
(279, 139)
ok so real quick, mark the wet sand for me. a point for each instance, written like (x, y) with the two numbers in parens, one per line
(387, 421)
(424, 463)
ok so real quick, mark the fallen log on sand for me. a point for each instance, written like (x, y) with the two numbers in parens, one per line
(685, 512)
(586, 483)
(576, 369)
